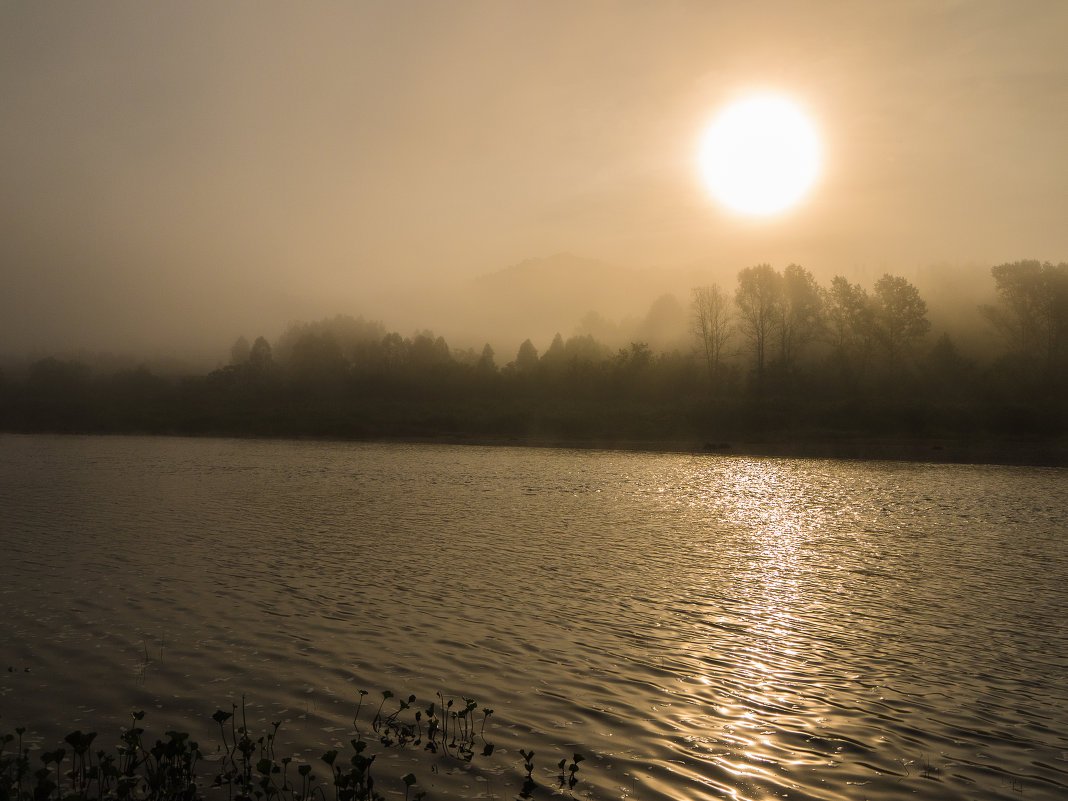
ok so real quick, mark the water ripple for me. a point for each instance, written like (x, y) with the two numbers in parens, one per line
(699, 626)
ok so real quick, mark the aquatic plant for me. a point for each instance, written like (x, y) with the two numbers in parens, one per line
(572, 769)
(529, 785)
(248, 768)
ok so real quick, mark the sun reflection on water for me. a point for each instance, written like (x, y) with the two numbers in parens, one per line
(767, 703)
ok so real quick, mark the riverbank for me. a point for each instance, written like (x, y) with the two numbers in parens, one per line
(938, 451)
(859, 447)
(580, 408)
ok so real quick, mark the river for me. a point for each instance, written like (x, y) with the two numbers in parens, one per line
(696, 626)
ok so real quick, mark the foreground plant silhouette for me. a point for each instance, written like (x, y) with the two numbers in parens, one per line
(173, 769)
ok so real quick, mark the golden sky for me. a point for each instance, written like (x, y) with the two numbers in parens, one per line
(174, 170)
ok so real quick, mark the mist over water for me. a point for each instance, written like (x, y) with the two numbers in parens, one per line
(696, 626)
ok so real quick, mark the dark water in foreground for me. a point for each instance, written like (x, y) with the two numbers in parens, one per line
(697, 626)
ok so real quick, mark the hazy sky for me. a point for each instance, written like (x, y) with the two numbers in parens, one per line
(180, 173)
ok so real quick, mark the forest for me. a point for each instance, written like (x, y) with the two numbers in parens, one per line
(774, 363)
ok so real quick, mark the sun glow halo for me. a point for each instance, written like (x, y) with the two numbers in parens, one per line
(761, 155)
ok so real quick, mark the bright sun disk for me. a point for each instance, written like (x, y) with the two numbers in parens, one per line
(761, 155)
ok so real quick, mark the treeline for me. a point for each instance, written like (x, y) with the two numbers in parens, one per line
(778, 356)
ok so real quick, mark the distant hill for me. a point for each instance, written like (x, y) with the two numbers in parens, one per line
(539, 297)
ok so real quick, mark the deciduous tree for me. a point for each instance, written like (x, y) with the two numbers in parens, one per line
(758, 296)
(712, 321)
(259, 356)
(799, 312)
(1032, 313)
(849, 324)
(899, 317)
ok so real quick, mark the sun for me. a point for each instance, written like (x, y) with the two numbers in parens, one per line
(760, 155)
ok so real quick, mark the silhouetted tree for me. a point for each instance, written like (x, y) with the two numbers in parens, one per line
(712, 321)
(584, 349)
(1032, 314)
(393, 352)
(664, 325)
(359, 340)
(899, 317)
(58, 378)
(634, 358)
(849, 325)
(556, 355)
(259, 356)
(758, 296)
(427, 351)
(485, 361)
(526, 360)
(800, 314)
(597, 327)
(239, 351)
(849, 315)
(317, 356)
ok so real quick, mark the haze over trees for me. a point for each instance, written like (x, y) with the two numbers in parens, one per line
(1032, 316)
(780, 356)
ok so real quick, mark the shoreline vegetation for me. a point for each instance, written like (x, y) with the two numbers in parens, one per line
(248, 768)
(781, 366)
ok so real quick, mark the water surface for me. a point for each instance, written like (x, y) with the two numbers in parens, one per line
(698, 626)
